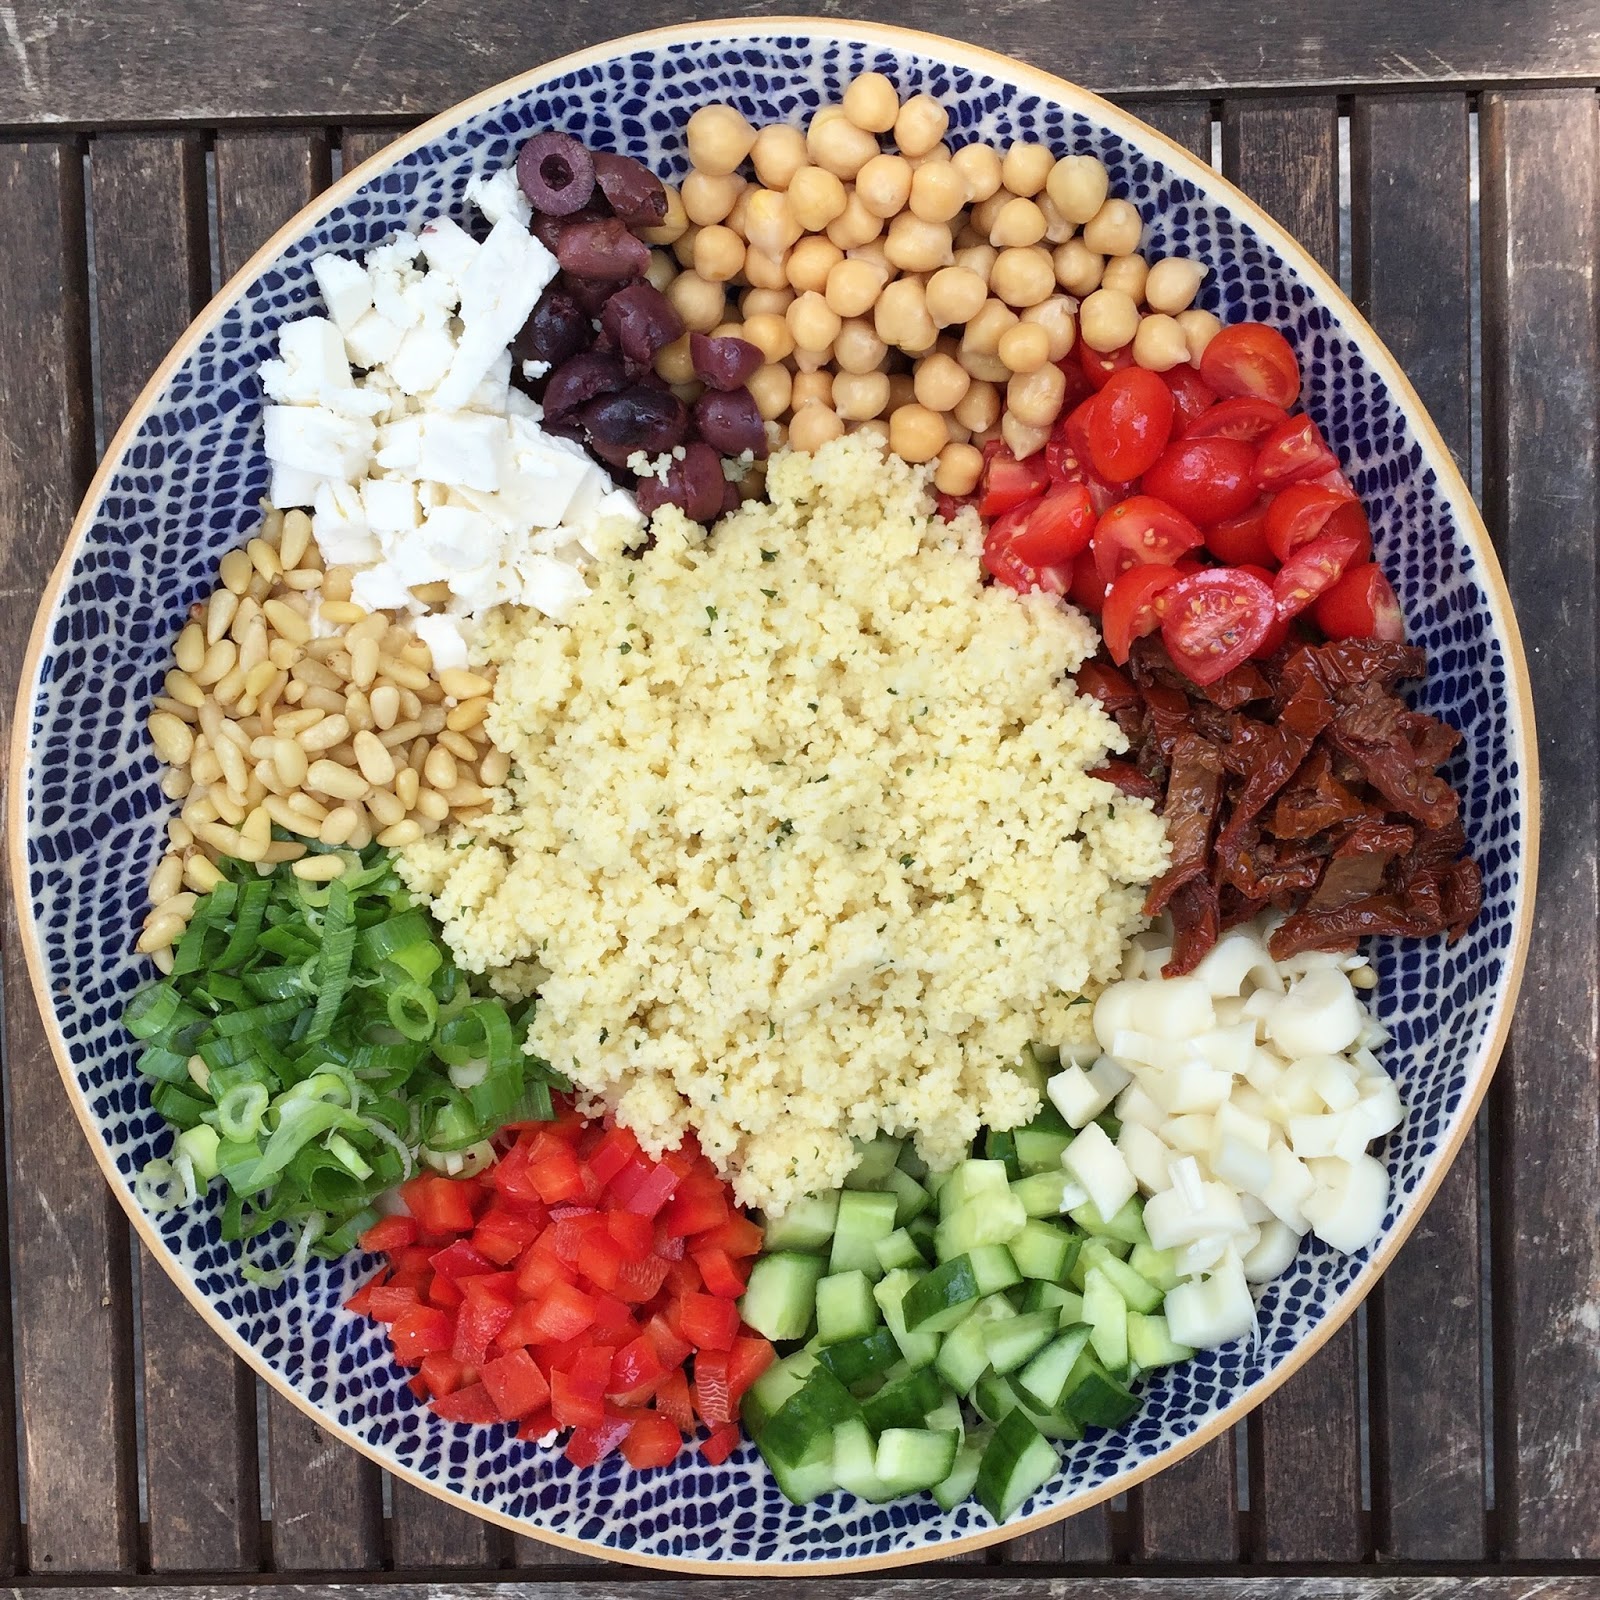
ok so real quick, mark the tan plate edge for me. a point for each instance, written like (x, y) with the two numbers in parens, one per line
(1438, 457)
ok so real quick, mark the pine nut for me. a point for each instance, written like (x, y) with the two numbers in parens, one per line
(363, 660)
(336, 583)
(417, 755)
(167, 879)
(281, 850)
(260, 678)
(325, 734)
(160, 932)
(319, 869)
(432, 805)
(229, 688)
(463, 685)
(296, 539)
(176, 783)
(302, 580)
(253, 642)
(164, 960)
(377, 765)
(362, 837)
(174, 708)
(182, 688)
(384, 702)
(495, 768)
(307, 807)
(190, 650)
(201, 873)
(229, 808)
(401, 733)
(327, 777)
(457, 744)
(342, 613)
(440, 768)
(264, 559)
(283, 654)
(179, 835)
(288, 622)
(401, 834)
(272, 526)
(410, 705)
(285, 815)
(466, 794)
(407, 787)
(386, 808)
(408, 677)
(235, 571)
(176, 905)
(315, 674)
(466, 714)
(223, 839)
(171, 736)
(339, 825)
(292, 723)
(357, 712)
(220, 610)
(219, 662)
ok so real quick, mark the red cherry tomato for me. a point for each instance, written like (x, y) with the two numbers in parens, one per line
(1248, 358)
(1191, 397)
(1293, 452)
(1008, 482)
(1208, 480)
(1243, 418)
(1298, 513)
(1134, 607)
(1141, 531)
(1048, 532)
(1312, 570)
(1278, 633)
(1242, 540)
(1004, 565)
(1351, 518)
(1129, 424)
(1098, 365)
(1213, 620)
(1361, 605)
(1088, 588)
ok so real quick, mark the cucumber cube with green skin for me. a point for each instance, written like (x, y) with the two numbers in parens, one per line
(963, 1474)
(1039, 1296)
(1041, 1192)
(963, 1355)
(1138, 1292)
(940, 1299)
(780, 1298)
(875, 1161)
(845, 1307)
(802, 1428)
(993, 1219)
(913, 1459)
(1159, 1267)
(919, 1349)
(1127, 1225)
(946, 1416)
(911, 1163)
(1002, 1147)
(899, 1250)
(993, 1267)
(922, 1228)
(857, 1361)
(904, 1401)
(807, 1225)
(1011, 1343)
(994, 1397)
(1094, 1396)
(1052, 1424)
(804, 1483)
(1048, 1119)
(1091, 1254)
(1018, 1461)
(1043, 1250)
(1150, 1342)
(1106, 1312)
(1043, 1382)
(855, 1463)
(970, 1181)
(766, 1396)
(911, 1200)
(865, 1217)
(1039, 1150)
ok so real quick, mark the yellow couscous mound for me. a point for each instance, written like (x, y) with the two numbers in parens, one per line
(798, 843)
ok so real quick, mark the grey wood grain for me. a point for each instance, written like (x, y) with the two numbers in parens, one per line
(1541, 378)
(69, 1244)
(1411, 219)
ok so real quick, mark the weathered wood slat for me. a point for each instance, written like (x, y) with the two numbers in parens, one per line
(81, 62)
(1541, 377)
(358, 144)
(1185, 122)
(1305, 1441)
(1411, 219)
(152, 274)
(262, 180)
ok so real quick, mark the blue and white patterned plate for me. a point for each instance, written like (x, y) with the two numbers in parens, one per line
(180, 486)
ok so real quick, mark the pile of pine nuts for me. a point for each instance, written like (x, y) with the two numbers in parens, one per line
(923, 293)
(293, 715)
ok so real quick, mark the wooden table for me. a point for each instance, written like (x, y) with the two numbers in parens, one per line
(1447, 1440)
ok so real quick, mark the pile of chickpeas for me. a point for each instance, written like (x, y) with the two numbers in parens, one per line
(923, 293)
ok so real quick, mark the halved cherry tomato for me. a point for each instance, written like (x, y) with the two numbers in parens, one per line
(1294, 451)
(1249, 358)
(1312, 570)
(1129, 424)
(1298, 513)
(1133, 607)
(1141, 531)
(1191, 396)
(1008, 482)
(1278, 633)
(1242, 540)
(1098, 365)
(1088, 588)
(1361, 605)
(1004, 565)
(1051, 531)
(1242, 417)
(1214, 620)
(1208, 480)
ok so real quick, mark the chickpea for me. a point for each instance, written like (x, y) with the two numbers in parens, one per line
(673, 363)
(762, 271)
(689, 392)
(953, 294)
(1078, 185)
(1199, 329)
(857, 348)
(813, 360)
(672, 225)
(917, 434)
(764, 302)
(718, 253)
(871, 103)
(861, 396)
(978, 258)
(1159, 344)
(1057, 229)
(902, 390)
(980, 409)
(960, 467)
(778, 153)
(1078, 269)
(1173, 284)
(812, 389)
(901, 316)
(1058, 317)
(884, 185)
(855, 225)
(811, 261)
(698, 301)
(920, 125)
(877, 428)
(718, 139)
(739, 217)
(853, 286)
(770, 335)
(816, 197)
(983, 329)
(662, 270)
(979, 166)
(968, 237)
(728, 330)
(1024, 348)
(1019, 222)
(1023, 439)
(875, 255)
(769, 223)
(938, 191)
(708, 199)
(1026, 168)
(913, 245)
(1114, 229)
(940, 152)
(811, 321)
(1108, 319)
(837, 145)
(1023, 277)
(986, 213)
(813, 426)
(940, 382)
(770, 387)
(683, 246)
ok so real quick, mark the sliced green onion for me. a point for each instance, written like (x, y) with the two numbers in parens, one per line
(242, 1111)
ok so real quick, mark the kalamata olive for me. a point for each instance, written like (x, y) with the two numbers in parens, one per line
(731, 498)
(729, 421)
(694, 484)
(555, 332)
(634, 419)
(590, 293)
(556, 173)
(577, 381)
(639, 320)
(603, 249)
(724, 363)
(635, 192)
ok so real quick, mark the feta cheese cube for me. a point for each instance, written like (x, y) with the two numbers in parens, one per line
(339, 525)
(380, 589)
(500, 196)
(463, 447)
(318, 441)
(422, 360)
(444, 638)
(373, 340)
(390, 505)
(448, 247)
(346, 289)
(551, 587)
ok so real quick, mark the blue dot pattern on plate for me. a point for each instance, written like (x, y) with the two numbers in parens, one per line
(186, 490)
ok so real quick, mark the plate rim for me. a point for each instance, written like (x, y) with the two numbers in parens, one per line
(1141, 136)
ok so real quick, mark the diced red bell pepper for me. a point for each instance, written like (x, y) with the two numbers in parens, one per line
(539, 1269)
(617, 1147)
(563, 1313)
(747, 1360)
(554, 1172)
(592, 1368)
(442, 1373)
(672, 1400)
(511, 1177)
(655, 1191)
(697, 1207)
(638, 1281)
(635, 1367)
(669, 1246)
(626, 1183)
(721, 1443)
(445, 1293)
(483, 1314)
(711, 1397)
(516, 1384)
(683, 1277)
(460, 1260)
(538, 1425)
(472, 1403)
(573, 1405)
(390, 1233)
(600, 1258)
(594, 1442)
(652, 1441)
(361, 1301)
(670, 1345)
(721, 1277)
(388, 1304)
(613, 1320)
(634, 1235)
(739, 1236)
(441, 1205)
(420, 1332)
(502, 1236)
(566, 1233)
(705, 1321)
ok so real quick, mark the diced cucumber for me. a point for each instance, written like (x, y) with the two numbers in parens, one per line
(1071, 1308)
(969, 1181)
(963, 1356)
(1039, 1149)
(854, 1361)
(874, 1162)
(922, 1228)
(933, 1182)
(807, 1482)
(911, 1163)
(1002, 1147)
(910, 1198)
(1150, 1343)
(1010, 1342)
(945, 1415)
(1041, 1192)
(864, 1218)
(963, 1473)
(996, 1396)
(1043, 1382)
(807, 1225)
(898, 1250)
(903, 1402)
(993, 1267)
(1106, 1312)
(1093, 1395)
(802, 1427)
(1052, 1424)
(919, 1349)
(1038, 1296)
(1139, 1293)
(1127, 1225)
(845, 1307)
(1043, 1250)
(1155, 1266)
(1048, 1118)
(993, 1219)
(766, 1396)
(911, 1459)
(936, 1302)
(780, 1298)
(1091, 1254)
(1033, 1067)
(1018, 1461)
(855, 1463)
